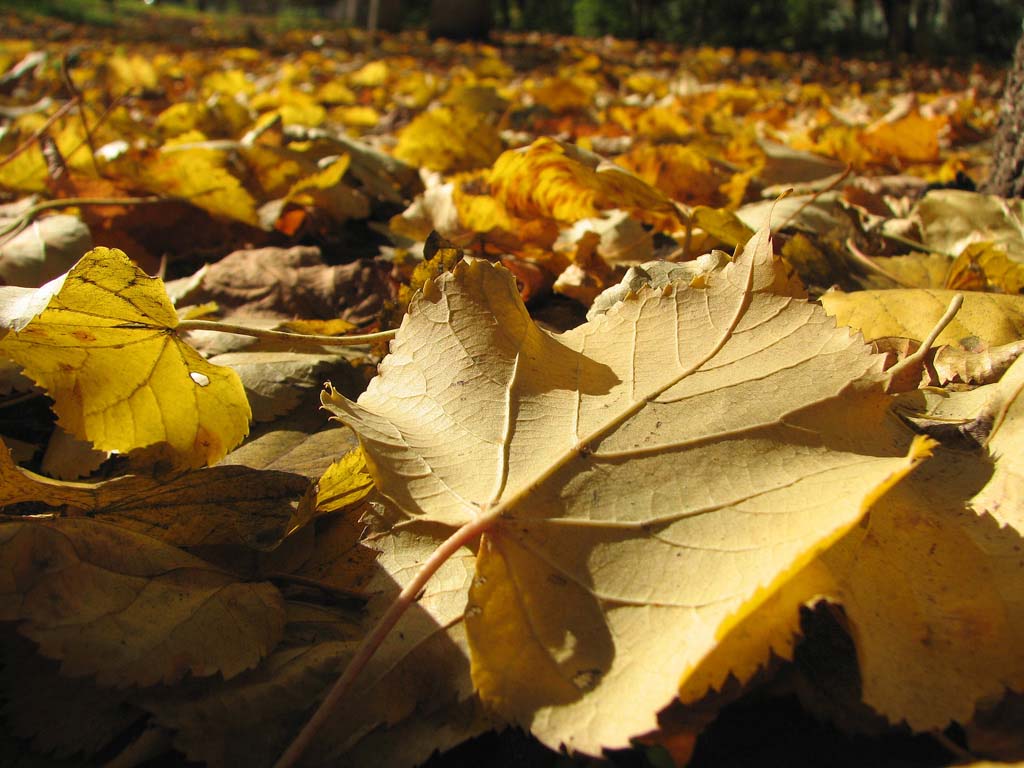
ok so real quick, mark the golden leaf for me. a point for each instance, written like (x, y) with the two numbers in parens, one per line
(449, 139)
(599, 454)
(986, 318)
(105, 350)
(557, 181)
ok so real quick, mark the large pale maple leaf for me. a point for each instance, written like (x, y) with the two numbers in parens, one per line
(644, 481)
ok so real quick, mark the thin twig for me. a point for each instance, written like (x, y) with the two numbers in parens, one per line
(262, 333)
(372, 641)
(917, 246)
(72, 202)
(38, 132)
(814, 196)
(77, 95)
(871, 265)
(119, 101)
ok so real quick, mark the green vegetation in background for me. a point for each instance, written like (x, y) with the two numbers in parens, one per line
(966, 28)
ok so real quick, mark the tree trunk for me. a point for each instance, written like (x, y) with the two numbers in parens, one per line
(460, 19)
(1007, 176)
(897, 20)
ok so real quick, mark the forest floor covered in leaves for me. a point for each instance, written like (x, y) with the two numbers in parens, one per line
(728, 498)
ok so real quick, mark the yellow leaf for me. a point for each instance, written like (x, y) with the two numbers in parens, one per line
(912, 270)
(984, 266)
(184, 117)
(601, 458)
(128, 609)
(334, 327)
(295, 107)
(914, 139)
(359, 116)
(194, 174)
(986, 318)
(371, 75)
(233, 83)
(344, 483)
(449, 139)
(933, 594)
(26, 172)
(655, 123)
(563, 94)
(130, 74)
(682, 173)
(335, 92)
(553, 180)
(726, 227)
(106, 352)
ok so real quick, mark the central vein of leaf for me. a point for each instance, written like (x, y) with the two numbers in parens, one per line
(497, 507)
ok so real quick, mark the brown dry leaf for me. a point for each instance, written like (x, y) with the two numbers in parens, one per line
(275, 381)
(784, 165)
(219, 505)
(105, 349)
(36, 697)
(983, 367)
(985, 318)
(45, 249)
(419, 677)
(68, 458)
(572, 444)
(287, 283)
(623, 240)
(952, 219)
(304, 442)
(129, 609)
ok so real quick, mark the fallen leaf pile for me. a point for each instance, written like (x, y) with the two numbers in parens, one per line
(629, 435)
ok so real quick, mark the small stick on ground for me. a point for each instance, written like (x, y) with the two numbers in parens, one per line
(298, 338)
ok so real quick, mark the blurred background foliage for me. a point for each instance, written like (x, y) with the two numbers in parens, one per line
(984, 29)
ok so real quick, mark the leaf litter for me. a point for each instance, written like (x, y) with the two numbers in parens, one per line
(635, 509)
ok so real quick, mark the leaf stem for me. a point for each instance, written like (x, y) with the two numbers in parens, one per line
(39, 131)
(368, 647)
(913, 363)
(71, 202)
(266, 333)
